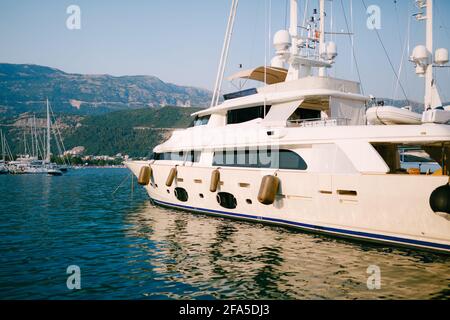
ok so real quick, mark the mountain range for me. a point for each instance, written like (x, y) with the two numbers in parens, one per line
(24, 88)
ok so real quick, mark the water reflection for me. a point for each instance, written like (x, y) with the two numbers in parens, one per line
(209, 257)
(128, 249)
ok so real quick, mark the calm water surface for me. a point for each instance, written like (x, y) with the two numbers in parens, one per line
(128, 249)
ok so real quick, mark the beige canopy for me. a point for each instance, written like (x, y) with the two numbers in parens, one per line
(269, 75)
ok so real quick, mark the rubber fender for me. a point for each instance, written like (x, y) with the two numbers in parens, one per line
(215, 180)
(268, 189)
(171, 176)
(440, 199)
(145, 175)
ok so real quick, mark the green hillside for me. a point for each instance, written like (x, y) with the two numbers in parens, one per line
(132, 132)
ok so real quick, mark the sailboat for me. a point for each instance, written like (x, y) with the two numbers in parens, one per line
(298, 151)
(3, 166)
(27, 164)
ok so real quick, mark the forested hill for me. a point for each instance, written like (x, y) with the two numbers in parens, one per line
(132, 132)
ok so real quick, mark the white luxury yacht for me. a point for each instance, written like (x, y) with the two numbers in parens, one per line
(299, 151)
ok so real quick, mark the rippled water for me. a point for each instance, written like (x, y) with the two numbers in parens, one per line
(127, 248)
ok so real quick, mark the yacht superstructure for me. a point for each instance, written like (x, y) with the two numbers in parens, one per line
(299, 152)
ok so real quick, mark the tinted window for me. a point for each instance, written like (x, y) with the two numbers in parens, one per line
(240, 94)
(200, 121)
(246, 114)
(190, 156)
(304, 114)
(193, 156)
(282, 159)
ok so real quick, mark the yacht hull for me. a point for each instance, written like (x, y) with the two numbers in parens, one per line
(390, 209)
(335, 232)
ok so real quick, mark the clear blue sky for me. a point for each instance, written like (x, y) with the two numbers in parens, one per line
(180, 41)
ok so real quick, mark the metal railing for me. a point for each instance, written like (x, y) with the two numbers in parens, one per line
(307, 123)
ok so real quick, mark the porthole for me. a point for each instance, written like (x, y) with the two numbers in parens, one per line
(181, 194)
(226, 200)
(168, 191)
(249, 201)
(201, 195)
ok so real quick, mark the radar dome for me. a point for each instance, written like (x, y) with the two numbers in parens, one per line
(282, 40)
(441, 56)
(420, 55)
(331, 50)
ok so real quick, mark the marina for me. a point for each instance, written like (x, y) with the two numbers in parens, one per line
(312, 162)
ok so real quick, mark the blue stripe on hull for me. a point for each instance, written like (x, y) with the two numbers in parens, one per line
(355, 234)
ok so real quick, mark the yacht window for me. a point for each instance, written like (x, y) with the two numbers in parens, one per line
(240, 94)
(193, 156)
(174, 156)
(246, 114)
(190, 156)
(200, 121)
(281, 159)
(304, 114)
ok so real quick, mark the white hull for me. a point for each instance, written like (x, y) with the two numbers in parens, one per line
(367, 207)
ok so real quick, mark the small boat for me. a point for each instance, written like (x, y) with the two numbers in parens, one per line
(388, 115)
(54, 172)
(63, 168)
(3, 169)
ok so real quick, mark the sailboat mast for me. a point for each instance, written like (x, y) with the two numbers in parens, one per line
(32, 138)
(3, 145)
(47, 159)
(25, 141)
(224, 55)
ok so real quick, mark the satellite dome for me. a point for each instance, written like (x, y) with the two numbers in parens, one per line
(282, 40)
(441, 56)
(420, 55)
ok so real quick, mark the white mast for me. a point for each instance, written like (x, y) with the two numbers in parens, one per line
(47, 159)
(294, 68)
(429, 45)
(293, 26)
(425, 59)
(322, 49)
(224, 55)
(300, 65)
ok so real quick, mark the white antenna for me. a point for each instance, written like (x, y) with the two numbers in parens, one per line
(322, 48)
(224, 55)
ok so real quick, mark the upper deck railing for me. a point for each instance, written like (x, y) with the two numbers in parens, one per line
(308, 123)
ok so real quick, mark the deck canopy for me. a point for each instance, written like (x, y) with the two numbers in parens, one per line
(269, 75)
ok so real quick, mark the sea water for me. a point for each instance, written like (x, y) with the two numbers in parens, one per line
(93, 234)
